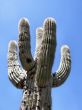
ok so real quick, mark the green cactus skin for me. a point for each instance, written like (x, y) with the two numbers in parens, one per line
(34, 75)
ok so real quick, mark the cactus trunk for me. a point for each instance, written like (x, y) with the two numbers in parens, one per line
(37, 99)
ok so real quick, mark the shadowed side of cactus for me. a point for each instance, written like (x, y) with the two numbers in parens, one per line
(35, 75)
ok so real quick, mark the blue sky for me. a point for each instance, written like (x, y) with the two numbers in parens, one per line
(68, 15)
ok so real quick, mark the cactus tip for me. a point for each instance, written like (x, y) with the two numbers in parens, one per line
(65, 49)
(39, 30)
(12, 45)
(49, 19)
(23, 23)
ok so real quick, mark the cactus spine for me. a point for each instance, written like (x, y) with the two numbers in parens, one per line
(35, 75)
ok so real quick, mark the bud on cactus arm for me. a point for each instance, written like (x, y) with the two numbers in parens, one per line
(63, 71)
(25, 55)
(15, 73)
(46, 52)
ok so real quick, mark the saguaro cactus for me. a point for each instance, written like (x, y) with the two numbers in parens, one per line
(34, 75)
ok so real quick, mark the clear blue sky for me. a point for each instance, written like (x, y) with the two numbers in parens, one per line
(68, 15)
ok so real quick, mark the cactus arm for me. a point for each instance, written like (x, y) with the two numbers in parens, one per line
(15, 73)
(46, 52)
(39, 33)
(25, 55)
(59, 77)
